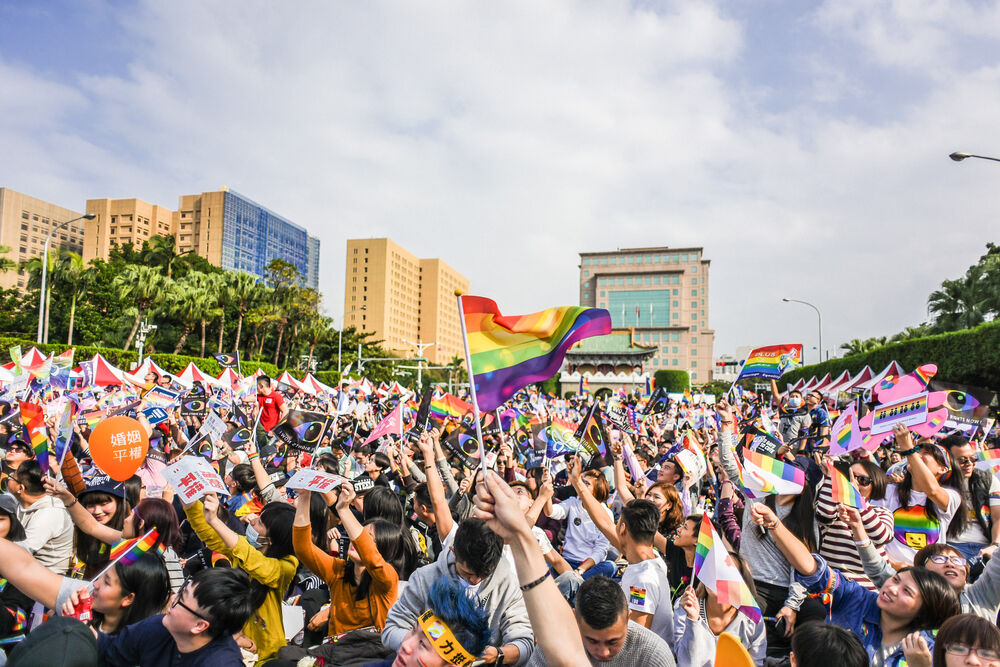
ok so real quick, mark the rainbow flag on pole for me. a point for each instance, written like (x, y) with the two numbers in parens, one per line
(771, 361)
(128, 551)
(714, 567)
(450, 406)
(988, 459)
(33, 418)
(508, 353)
(842, 491)
(845, 434)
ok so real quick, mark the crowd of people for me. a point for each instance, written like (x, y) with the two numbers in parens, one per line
(550, 552)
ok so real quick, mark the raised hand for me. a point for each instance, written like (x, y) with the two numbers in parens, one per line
(498, 506)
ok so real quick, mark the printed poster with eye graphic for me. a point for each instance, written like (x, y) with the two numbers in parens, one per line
(194, 406)
(303, 430)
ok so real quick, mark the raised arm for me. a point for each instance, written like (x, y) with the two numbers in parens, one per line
(794, 550)
(552, 620)
(22, 571)
(621, 481)
(923, 480)
(604, 523)
(83, 519)
(435, 488)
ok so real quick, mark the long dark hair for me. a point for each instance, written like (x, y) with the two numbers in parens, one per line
(396, 548)
(89, 550)
(953, 480)
(16, 532)
(939, 601)
(277, 517)
(157, 513)
(967, 630)
(149, 580)
(801, 519)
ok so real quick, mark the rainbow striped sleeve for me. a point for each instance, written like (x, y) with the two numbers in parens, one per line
(510, 352)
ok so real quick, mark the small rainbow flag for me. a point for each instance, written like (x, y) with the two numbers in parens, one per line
(715, 568)
(988, 458)
(450, 406)
(507, 353)
(771, 361)
(842, 491)
(94, 417)
(767, 475)
(33, 418)
(846, 434)
(128, 551)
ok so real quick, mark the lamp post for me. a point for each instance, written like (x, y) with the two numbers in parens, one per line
(420, 353)
(958, 157)
(42, 309)
(819, 317)
(340, 335)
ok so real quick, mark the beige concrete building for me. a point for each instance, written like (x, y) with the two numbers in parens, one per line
(663, 293)
(121, 221)
(25, 222)
(407, 300)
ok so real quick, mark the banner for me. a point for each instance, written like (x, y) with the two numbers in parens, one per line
(309, 479)
(591, 433)
(908, 411)
(302, 430)
(228, 360)
(192, 477)
(771, 362)
(423, 413)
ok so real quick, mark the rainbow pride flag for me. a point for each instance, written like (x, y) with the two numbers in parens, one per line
(450, 406)
(846, 436)
(767, 475)
(842, 491)
(128, 551)
(33, 418)
(771, 361)
(714, 567)
(988, 458)
(94, 417)
(510, 352)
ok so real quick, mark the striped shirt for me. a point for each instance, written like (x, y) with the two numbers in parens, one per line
(837, 542)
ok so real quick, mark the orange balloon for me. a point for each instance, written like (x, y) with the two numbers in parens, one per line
(118, 446)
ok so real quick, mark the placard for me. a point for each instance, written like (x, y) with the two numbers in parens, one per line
(192, 477)
(908, 411)
(310, 479)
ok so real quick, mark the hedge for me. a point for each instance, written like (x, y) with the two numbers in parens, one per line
(672, 381)
(172, 363)
(969, 356)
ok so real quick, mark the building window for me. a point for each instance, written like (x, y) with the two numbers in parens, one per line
(621, 281)
(694, 328)
(694, 340)
(674, 350)
(586, 273)
(675, 292)
(603, 294)
(694, 353)
(694, 376)
(675, 337)
(586, 261)
(694, 316)
(675, 316)
(677, 303)
(631, 260)
(604, 260)
(684, 258)
(586, 295)
(694, 364)
(694, 281)
(673, 363)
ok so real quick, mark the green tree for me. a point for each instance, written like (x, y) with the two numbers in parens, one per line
(858, 346)
(72, 278)
(962, 303)
(244, 291)
(142, 286)
(188, 302)
(6, 264)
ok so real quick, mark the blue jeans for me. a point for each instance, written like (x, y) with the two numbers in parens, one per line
(968, 549)
(605, 567)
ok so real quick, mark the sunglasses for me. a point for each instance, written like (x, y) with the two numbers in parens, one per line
(941, 559)
(863, 480)
(967, 460)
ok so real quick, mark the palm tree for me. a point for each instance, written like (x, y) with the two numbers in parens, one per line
(143, 285)
(244, 291)
(6, 264)
(74, 278)
(188, 302)
(961, 303)
(161, 251)
(34, 268)
(315, 329)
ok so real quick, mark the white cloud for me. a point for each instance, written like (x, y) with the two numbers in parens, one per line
(506, 138)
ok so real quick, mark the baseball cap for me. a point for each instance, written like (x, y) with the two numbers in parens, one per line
(62, 640)
(103, 483)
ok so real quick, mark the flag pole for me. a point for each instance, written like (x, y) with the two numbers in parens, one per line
(472, 383)
(90, 584)
(733, 385)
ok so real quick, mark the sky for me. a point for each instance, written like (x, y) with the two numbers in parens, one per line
(804, 145)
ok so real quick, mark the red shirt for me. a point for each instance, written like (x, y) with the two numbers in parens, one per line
(270, 409)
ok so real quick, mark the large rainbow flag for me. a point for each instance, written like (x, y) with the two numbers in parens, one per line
(510, 352)
(771, 361)
(450, 406)
(762, 474)
(714, 567)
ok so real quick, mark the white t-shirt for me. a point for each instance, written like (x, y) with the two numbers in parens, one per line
(913, 529)
(648, 591)
(583, 538)
(973, 533)
(540, 536)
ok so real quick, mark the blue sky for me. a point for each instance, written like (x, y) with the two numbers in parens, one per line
(803, 144)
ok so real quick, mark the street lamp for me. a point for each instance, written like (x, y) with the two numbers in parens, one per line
(958, 157)
(42, 310)
(420, 353)
(340, 335)
(818, 316)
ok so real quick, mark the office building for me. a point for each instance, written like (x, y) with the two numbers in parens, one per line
(25, 222)
(663, 294)
(407, 300)
(223, 226)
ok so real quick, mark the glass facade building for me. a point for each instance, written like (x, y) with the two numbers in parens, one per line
(253, 235)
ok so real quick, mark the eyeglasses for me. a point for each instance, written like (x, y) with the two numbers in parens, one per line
(967, 460)
(863, 480)
(177, 601)
(984, 653)
(941, 559)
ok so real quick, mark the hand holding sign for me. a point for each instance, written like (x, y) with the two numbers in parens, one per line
(118, 446)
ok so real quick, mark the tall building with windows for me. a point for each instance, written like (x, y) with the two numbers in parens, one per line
(406, 300)
(25, 222)
(223, 226)
(663, 294)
